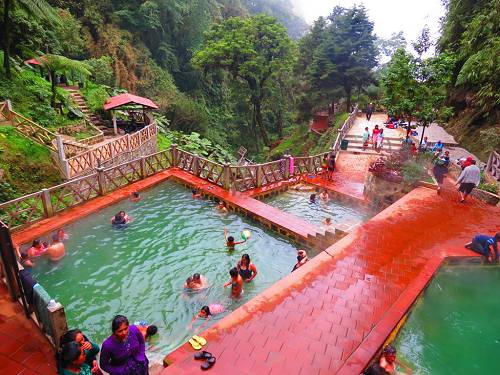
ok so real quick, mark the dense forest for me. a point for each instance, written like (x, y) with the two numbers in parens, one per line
(231, 73)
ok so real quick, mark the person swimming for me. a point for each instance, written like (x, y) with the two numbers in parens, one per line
(236, 283)
(135, 197)
(312, 198)
(324, 195)
(230, 243)
(63, 236)
(301, 259)
(120, 220)
(222, 207)
(195, 193)
(206, 312)
(196, 282)
(38, 248)
(146, 329)
(56, 250)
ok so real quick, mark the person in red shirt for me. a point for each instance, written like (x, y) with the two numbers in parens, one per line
(375, 132)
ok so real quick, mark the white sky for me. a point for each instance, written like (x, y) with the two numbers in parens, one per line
(388, 16)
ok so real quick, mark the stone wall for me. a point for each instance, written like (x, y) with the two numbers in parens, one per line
(382, 193)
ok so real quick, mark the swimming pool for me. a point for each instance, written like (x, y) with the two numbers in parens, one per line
(343, 215)
(140, 271)
(454, 327)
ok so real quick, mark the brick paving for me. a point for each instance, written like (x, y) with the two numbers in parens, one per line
(334, 313)
(23, 349)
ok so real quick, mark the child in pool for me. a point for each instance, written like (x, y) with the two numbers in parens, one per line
(222, 207)
(196, 282)
(236, 283)
(135, 197)
(195, 193)
(230, 243)
(37, 249)
(324, 195)
(121, 218)
(388, 361)
(206, 312)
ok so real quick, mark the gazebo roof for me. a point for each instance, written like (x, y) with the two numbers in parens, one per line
(128, 100)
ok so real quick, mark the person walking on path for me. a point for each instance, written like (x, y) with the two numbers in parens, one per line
(440, 168)
(369, 111)
(380, 139)
(468, 180)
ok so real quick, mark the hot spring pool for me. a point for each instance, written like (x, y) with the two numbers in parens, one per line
(297, 203)
(455, 326)
(140, 271)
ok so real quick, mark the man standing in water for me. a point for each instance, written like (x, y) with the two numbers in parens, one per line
(56, 250)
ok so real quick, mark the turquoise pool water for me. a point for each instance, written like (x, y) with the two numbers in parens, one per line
(140, 271)
(297, 203)
(455, 326)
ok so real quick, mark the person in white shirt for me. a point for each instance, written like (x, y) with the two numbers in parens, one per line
(468, 180)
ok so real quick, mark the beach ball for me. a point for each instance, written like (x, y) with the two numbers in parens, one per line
(246, 234)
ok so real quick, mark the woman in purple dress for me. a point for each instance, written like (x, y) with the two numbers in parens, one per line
(123, 353)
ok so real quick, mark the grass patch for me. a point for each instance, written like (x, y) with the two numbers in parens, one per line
(294, 143)
(27, 166)
(326, 140)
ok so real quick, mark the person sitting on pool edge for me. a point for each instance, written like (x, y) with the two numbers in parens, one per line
(236, 283)
(301, 259)
(482, 244)
(196, 282)
(135, 197)
(246, 268)
(230, 240)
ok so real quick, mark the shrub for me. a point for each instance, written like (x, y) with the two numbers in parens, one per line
(489, 187)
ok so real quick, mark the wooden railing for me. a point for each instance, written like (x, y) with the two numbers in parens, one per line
(344, 130)
(103, 178)
(493, 166)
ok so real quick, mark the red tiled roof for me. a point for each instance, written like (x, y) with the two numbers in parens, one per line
(125, 99)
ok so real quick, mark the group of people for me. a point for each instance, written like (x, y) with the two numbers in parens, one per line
(328, 166)
(375, 137)
(122, 353)
(54, 251)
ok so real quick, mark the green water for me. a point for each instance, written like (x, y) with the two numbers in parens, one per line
(297, 203)
(140, 271)
(455, 326)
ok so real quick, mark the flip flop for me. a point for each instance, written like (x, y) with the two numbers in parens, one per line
(203, 355)
(194, 344)
(200, 340)
(208, 364)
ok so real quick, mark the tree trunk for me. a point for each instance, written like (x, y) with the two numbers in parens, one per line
(279, 122)
(258, 120)
(53, 87)
(6, 38)
(348, 92)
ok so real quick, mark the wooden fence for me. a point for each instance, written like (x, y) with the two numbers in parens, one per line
(103, 179)
(344, 130)
(493, 166)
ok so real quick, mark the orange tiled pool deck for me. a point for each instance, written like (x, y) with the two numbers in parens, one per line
(334, 313)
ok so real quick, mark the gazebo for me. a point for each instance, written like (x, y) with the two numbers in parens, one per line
(136, 107)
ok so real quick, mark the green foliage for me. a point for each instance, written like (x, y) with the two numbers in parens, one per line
(326, 141)
(95, 96)
(489, 187)
(27, 166)
(102, 70)
(412, 172)
(388, 47)
(292, 144)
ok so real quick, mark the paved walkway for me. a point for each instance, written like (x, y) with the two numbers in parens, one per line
(333, 314)
(23, 349)
(434, 133)
(358, 128)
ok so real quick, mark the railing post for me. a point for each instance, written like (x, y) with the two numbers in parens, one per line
(286, 174)
(142, 163)
(175, 155)
(226, 177)
(258, 175)
(310, 163)
(58, 321)
(47, 203)
(101, 180)
(196, 165)
(60, 148)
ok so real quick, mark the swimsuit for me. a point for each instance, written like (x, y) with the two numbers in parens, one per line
(245, 273)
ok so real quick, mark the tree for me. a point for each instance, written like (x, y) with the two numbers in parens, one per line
(60, 64)
(387, 47)
(253, 50)
(347, 55)
(36, 8)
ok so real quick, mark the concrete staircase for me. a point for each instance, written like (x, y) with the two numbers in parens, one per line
(82, 106)
(355, 146)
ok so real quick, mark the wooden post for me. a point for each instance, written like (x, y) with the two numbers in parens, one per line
(142, 163)
(175, 155)
(115, 127)
(196, 165)
(258, 175)
(101, 180)
(226, 177)
(286, 174)
(58, 322)
(47, 203)
(310, 165)
(60, 148)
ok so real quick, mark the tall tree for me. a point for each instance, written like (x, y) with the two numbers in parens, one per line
(253, 50)
(35, 8)
(388, 46)
(347, 55)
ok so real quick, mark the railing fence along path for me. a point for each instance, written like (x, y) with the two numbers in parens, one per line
(493, 166)
(106, 173)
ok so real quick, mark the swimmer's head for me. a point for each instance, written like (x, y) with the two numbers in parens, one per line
(328, 220)
(301, 254)
(389, 353)
(233, 272)
(196, 277)
(230, 239)
(246, 257)
(194, 191)
(205, 311)
(36, 243)
(118, 217)
(151, 331)
(189, 280)
(312, 197)
(56, 238)
(24, 256)
(135, 194)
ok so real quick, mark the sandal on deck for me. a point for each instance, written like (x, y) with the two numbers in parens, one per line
(208, 364)
(194, 344)
(200, 340)
(203, 355)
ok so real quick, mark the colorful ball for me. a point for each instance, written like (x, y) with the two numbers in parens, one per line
(246, 234)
